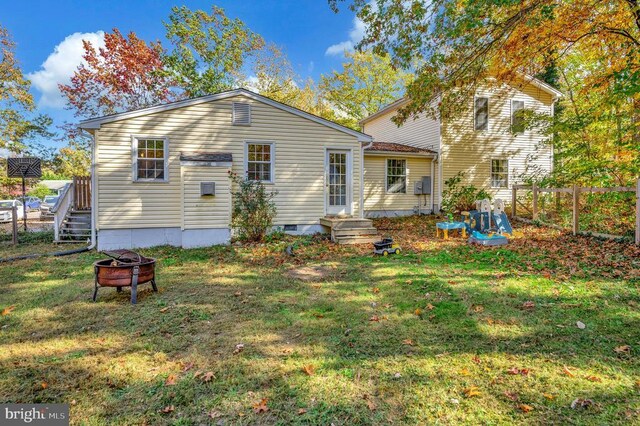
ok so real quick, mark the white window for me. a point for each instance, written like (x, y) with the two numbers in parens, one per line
(241, 114)
(396, 176)
(481, 113)
(517, 120)
(260, 161)
(150, 159)
(499, 173)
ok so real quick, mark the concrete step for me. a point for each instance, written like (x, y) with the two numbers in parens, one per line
(360, 239)
(345, 232)
(336, 223)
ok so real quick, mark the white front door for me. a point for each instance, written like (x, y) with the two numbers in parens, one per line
(338, 182)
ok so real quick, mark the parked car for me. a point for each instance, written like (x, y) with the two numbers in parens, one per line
(7, 215)
(33, 203)
(46, 206)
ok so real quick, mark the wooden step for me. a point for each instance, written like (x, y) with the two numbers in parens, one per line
(353, 231)
(360, 239)
(335, 223)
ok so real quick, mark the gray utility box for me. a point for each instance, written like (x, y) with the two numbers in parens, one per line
(423, 186)
(207, 188)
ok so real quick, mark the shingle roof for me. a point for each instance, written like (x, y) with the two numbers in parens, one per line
(213, 157)
(396, 147)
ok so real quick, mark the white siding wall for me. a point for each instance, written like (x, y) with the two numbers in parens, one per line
(206, 211)
(423, 132)
(464, 149)
(375, 196)
(299, 164)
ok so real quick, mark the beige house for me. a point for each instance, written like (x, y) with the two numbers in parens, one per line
(484, 141)
(160, 175)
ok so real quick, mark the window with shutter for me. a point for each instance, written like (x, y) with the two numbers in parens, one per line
(241, 114)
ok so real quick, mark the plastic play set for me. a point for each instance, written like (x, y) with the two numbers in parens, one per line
(488, 227)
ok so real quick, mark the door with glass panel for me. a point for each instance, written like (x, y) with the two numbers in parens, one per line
(338, 182)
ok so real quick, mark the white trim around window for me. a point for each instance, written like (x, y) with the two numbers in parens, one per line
(156, 168)
(386, 176)
(271, 162)
(500, 175)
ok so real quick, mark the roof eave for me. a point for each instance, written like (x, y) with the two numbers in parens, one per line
(401, 154)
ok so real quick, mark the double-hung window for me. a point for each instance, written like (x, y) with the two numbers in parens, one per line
(260, 161)
(481, 113)
(499, 173)
(517, 120)
(150, 159)
(396, 176)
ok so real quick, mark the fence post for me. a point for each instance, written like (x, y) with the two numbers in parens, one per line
(535, 201)
(576, 208)
(638, 212)
(14, 220)
(514, 199)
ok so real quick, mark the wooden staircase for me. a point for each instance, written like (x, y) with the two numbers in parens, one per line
(348, 230)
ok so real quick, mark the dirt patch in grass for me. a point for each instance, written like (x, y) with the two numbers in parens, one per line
(312, 273)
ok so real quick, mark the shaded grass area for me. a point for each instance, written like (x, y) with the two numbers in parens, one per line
(386, 340)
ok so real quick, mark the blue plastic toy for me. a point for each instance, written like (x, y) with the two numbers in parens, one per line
(487, 239)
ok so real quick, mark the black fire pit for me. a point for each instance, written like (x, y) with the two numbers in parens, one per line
(125, 269)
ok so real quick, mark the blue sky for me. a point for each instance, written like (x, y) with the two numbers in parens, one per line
(49, 33)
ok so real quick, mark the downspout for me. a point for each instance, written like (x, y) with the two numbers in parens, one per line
(433, 178)
(94, 192)
(363, 147)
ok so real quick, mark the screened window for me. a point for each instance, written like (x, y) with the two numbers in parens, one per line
(260, 161)
(499, 173)
(150, 159)
(396, 176)
(481, 112)
(517, 120)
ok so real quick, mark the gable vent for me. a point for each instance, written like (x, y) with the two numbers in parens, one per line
(241, 114)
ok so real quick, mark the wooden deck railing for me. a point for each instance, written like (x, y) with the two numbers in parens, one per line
(575, 191)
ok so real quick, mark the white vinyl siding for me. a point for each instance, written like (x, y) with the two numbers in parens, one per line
(499, 173)
(150, 159)
(396, 176)
(375, 196)
(470, 151)
(201, 212)
(517, 122)
(206, 127)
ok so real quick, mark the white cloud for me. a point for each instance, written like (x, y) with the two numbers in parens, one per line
(356, 33)
(59, 67)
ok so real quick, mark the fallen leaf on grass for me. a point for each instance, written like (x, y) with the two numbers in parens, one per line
(429, 307)
(8, 310)
(239, 348)
(478, 309)
(44, 385)
(301, 411)
(511, 395)
(525, 408)
(318, 315)
(374, 318)
(418, 312)
(593, 378)
(372, 405)
(213, 414)
(567, 371)
(206, 377)
(408, 342)
(624, 349)
(515, 371)
(237, 294)
(309, 370)
(465, 372)
(581, 325)
(261, 407)
(171, 380)
(187, 367)
(548, 396)
(471, 391)
(163, 310)
(529, 304)
(168, 409)
(387, 305)
(376, 290)
(580, 403)
(476, 359)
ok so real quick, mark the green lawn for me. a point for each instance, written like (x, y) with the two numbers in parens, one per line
(444, 333)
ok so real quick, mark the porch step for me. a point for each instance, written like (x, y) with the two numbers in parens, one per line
(346, 232)
(358, 239)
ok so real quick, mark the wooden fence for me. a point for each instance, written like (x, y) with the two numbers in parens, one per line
(575, 192)
(82, 192)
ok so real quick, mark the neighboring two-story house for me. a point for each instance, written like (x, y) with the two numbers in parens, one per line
(485, 141)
